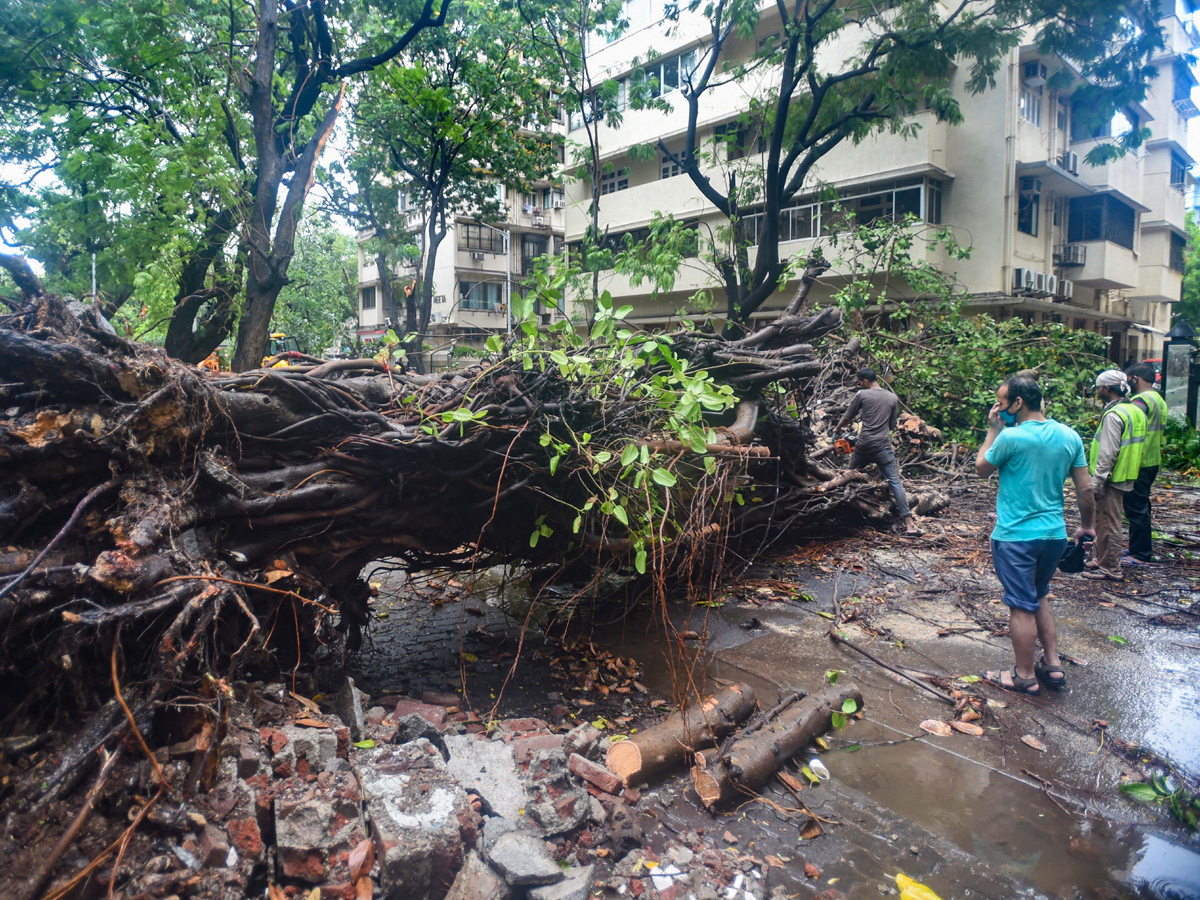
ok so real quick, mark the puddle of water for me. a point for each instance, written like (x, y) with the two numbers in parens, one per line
(1165, 871)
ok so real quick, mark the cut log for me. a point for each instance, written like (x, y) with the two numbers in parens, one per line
(672, 740)
(752, 759)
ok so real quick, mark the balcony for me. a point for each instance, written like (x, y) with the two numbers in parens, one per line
(1107, 266)
(1123, 175)
(1180, 35)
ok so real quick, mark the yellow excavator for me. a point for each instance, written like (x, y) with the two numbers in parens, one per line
(283, 349)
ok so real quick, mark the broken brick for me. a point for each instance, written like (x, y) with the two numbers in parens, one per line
(596, 774)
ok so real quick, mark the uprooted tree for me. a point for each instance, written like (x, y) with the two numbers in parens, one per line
(196, 524)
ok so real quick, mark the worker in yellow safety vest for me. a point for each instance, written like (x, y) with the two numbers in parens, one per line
(1137, 501)
(1114, 463)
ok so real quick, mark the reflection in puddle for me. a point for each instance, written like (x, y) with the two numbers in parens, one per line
(1166, 871)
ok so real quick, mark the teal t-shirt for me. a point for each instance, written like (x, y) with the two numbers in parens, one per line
(1034, 459)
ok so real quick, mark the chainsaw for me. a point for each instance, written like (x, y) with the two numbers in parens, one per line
(845, 443)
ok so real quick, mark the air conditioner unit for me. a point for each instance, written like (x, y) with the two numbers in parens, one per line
(1031, 185)
(1039, 282)
(478, 255)
(1070, 162)
(439, 298)
(1051, 284)
(557, 204)
(1034, 74)
(1066, 290)
(1022, 280)
(539, 221)
(1072, 255)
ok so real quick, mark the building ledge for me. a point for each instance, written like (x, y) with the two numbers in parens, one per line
(1059, 179)
(1033, 305)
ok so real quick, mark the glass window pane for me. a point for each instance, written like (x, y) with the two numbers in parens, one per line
(908, 202)
(670, 74)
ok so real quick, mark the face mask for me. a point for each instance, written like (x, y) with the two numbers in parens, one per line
(1008, 418)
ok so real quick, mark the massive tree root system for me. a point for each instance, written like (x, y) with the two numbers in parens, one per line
(186, 525)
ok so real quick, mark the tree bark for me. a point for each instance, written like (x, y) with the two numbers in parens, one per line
(668, 743)
(753, 759)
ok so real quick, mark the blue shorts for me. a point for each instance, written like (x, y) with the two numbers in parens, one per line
(1025, 569)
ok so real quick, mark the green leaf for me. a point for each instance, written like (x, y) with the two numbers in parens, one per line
(621, 515)
(808, 773)
(494, 344)
(832, 675)
(1117, 639)
(970, 679)
(839, 720)
(578, 523)
(1139, 790)
(849, 707)
(663, 477)
(629, 455)
(364, 745)
(854, 748)
(639, 561)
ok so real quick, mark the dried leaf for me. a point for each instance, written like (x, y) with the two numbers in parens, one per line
(364, 888)
(314, 894)
(967, 728)
(971, 715)
(310, 705)
(273, 575)
(811, 830)
(936, 726)
(774, 861)
(361, 860)
(279, 565)
(811, 871)
(794, 783)
(470, 657)
(1033, 742)
(275, 892)
(311, 723)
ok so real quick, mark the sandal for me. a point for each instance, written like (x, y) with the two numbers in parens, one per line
(1027, 686)
(1054, 677)
(1099, 575)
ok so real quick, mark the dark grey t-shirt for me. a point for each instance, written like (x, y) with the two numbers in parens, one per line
(879, 409)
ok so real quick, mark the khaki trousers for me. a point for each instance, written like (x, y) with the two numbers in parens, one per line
(1110, 530)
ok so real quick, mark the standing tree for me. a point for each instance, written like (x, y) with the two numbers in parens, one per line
(318, 301)
(213, 119)
(840, 71)
(463, 112)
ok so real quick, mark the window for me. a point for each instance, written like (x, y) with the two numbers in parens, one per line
(1101, 219)
(1178, 251)
(920, 198)
(406, 202)
(485, 295)
(368, 298)
(738, 139)
(668, 168)
(1084, 127)
(1029, 205)
(480, 237)
(552, 198)
(669, 74)
(1063, 120)
(1031, 105)
(533, 248)
(1178, 171)
(616, 180)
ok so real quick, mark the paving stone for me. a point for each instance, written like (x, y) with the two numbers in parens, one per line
(420, 819)
(435, 715)
(523, 860)
(317, 823)
(576, 885)
(595, 773)
(489, 768)
(478, 881)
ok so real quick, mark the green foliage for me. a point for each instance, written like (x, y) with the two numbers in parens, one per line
(947, 369)
(615, 488)
(1189, 308)
(1181, 803)
(319, 299)
(1181, 446)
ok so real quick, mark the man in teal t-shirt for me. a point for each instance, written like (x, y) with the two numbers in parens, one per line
(1034, 458)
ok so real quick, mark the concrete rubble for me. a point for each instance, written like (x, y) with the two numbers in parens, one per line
(524, 810)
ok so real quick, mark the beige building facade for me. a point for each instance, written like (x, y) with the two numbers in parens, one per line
(478, 266)
(1052, 238)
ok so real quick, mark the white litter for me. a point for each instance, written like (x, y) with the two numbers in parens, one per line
(664, 876)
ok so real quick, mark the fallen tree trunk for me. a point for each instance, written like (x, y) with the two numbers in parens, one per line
(751, 760)
(136, 490)
(668, 743)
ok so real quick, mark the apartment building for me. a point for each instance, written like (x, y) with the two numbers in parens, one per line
(478, 267)
(1053, 239)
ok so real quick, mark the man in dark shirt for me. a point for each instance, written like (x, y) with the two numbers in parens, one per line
(879, 409)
